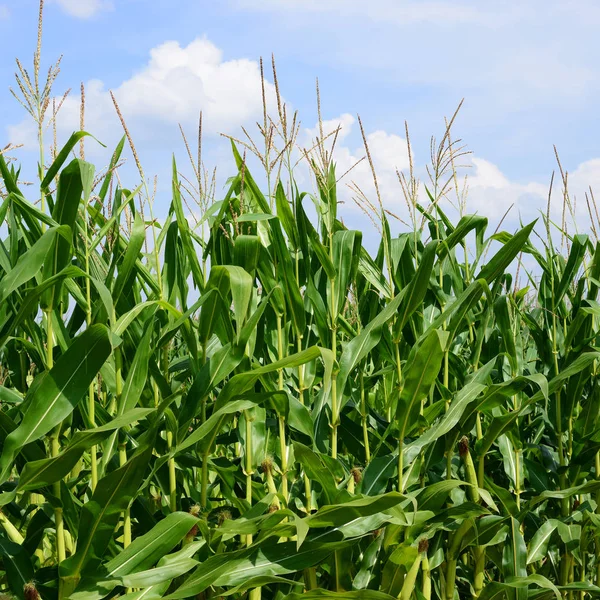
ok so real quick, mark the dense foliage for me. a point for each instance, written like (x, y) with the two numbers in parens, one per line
(274, 411)
(254, 405)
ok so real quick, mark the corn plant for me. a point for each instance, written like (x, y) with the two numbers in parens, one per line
(256, 406)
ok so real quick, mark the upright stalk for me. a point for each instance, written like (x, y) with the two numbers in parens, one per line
(248, 466)
(171, 462)
(559, 430)
(364, 415)
(401, 438)
(255, 593)
(91, 393)
(334, 403)
(204, 482)
(281, 419)
(307, 486)
(473, 495)
(564, 503)
(454, 540)
(122, 437)
(126, 514)
(55, 448)
(597, 511)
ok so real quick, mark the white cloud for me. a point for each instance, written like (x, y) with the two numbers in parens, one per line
(343, 122)
(586, 174)
(388, 152)
(178, 81)
(4, 12)
(490, 191)
(487, 175)
(175, 84)
(84, 9)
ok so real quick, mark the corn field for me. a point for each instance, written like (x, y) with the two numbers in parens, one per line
(247, 403)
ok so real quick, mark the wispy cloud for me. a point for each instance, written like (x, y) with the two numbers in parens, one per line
(404, 13)
(4, 12)
(84, 9)
(504, 57)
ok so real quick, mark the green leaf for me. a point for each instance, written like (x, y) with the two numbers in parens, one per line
(287, 278)
(55, 393)
(320, 468)
(127, 266)
(418, 286)
(351, 595)
(62, 156)
(459, 404)
(232, 569)
(339, 514)
(499, 591)
(205, 435)
(184, 232)
(29, 264)
(242, 382)
(40, 473)
(356, 350)
(17, 566)
(214, 308)
(576, 257)
(146, 550)
(378, 474)
(284, 212)
(346, 250)
(419, 375)
(538, 546)
(514, 559)
(100, 515)
(502, 259)
(69, 192)
(466, 224)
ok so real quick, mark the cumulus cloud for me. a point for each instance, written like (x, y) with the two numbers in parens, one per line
(84, 9)
(178, 81)
(389, 153)
(343, 124)
(586, 174)
(175, 84)
(490, 192)
(487, 175)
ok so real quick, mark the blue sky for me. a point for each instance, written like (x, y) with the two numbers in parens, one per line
(528, 72)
